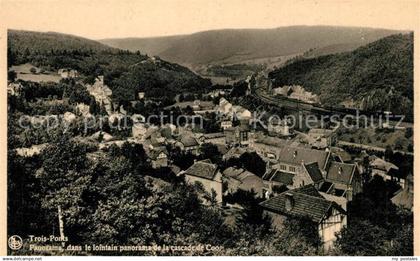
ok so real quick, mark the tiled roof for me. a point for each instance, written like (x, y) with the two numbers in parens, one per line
(344, 155)
(306, 202)
(381, 164)
(283, 177)
(214, 135)
(313, 171)
(188, 141)
(238, 174)
(154, 153)
(325, 187)
(203, 169)
(234, 152)
(232, 172)
(403, 198)
(278, 176)
(341, 172)
(297, 155)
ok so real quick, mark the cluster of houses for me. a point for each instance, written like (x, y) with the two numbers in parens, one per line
(296, 92)
(307, 175)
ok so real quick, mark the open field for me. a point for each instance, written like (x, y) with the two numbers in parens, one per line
(23, 72)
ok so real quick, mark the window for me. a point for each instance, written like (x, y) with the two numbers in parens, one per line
(282, 167)
(292, 169)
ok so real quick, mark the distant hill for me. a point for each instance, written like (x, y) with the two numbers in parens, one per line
(378, 76)
(239, 45)
(45, 42)
(125, 72)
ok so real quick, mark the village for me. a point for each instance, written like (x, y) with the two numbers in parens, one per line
(300, 174)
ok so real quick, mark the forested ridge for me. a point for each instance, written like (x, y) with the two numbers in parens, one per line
(125, 72)
(377, 76)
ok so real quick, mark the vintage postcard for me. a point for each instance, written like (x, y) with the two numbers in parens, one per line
(209, 128)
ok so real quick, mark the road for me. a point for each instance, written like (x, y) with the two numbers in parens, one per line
(341, 143)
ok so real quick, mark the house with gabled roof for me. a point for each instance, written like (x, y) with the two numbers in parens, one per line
(275, 178)
(386, 169)
(343, 180)
(340, 155)
(307, 202)
(292, 159)
(238, 178)
(322, 138)
(237, 136)
(208, 174)
(306, 174)
(187, 143)
(405, 197)
(268, 147)
(158, 157)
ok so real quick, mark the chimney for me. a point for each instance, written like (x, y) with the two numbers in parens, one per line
(289, 201)
(294, 154)
(340, 170)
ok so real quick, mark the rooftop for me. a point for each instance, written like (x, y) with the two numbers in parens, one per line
(202, 169)
(188, 140)
(341, 172)
(278, 176)
(238, 174)
(298, 155)
(306, 202)
(382, 164)
(314, 171)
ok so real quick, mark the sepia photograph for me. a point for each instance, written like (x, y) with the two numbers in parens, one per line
(209, 128)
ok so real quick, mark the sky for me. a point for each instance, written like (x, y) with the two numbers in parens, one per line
(98, 19)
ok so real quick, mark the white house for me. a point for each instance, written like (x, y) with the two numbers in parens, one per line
(326, 215)
(208, 175)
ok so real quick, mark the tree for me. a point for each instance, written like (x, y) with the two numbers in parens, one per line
(239, 89)
(399, 144)
(11, 75)
(408, 133)
(388, 152)
(410, 147)
(375, 225)
(93, 107)
(64, 179)
(403, 242)
(362, 238)
(210, 151)
(181, 159)
(252, 162)
(297, 237)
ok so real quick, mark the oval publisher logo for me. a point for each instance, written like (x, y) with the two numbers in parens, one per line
(15, 242)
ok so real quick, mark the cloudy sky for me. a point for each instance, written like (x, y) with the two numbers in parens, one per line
(97, 19)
